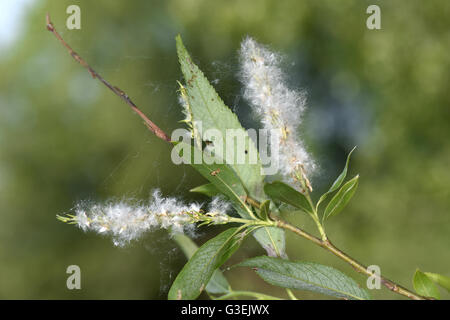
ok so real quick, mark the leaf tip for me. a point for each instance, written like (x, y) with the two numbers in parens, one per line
(179, 44)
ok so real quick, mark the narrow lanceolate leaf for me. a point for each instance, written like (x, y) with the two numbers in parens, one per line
(272, 240)
(208, 109)
(280, 191)
(208, 112)
(218, 284)
(208, 189)
(306, 276)
(197, 272)
(441, 280)
(341, 198)
(425, 286)
(337, 183)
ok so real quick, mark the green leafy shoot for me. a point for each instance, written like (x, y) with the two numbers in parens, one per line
(337, 183)
(341, 198)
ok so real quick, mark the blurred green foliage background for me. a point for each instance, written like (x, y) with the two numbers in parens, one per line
(65, 138)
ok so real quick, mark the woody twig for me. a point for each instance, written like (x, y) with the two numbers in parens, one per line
(150, 125)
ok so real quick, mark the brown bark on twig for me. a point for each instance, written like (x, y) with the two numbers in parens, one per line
(150, 125)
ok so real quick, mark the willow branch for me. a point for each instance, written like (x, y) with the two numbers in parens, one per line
(150, 125)
(327, 245)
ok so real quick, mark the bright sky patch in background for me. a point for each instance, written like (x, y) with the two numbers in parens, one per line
(12, 14)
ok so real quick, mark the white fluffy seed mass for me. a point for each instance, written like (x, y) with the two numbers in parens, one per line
(276, 105)
(125, 221)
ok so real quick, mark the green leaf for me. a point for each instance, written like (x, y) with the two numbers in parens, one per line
(207, 108)
(264, 210)
(441, 280)
(280, 191)
(424, 286)
(306, 276)
(218, 284)
(197, 272)
(208, 189)
(222, 176)
(228, 183)
(272, 240)
(341, 198)
(337, 183)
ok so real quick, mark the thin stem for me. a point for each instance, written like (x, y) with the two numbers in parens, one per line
(250, 222)
(319, 225)
(253, 202)
(327, 245)
(291, 294)
(306, 189)
(150, 125)
(257, 295)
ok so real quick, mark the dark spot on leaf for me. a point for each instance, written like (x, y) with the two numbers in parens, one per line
(215, 172)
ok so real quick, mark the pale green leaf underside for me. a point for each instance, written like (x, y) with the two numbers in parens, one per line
(306, 276)
(440, 279)
(425, 286)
